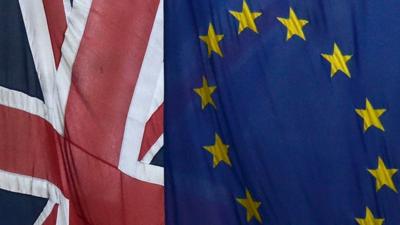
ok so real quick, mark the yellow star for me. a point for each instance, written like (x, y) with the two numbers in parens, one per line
(371, 116)
(246, 18)
(369, 219)
(212, 39)
(219, 151)
(205, 93)
(251, 207)
(294, 25)
(383, 176)
(338, 61)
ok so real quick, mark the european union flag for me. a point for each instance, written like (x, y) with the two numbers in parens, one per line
(282, 112)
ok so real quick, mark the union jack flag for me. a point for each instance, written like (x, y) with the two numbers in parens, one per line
(81, 109)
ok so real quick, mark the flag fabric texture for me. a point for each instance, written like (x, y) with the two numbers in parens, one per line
(81, 123)
(282, 112)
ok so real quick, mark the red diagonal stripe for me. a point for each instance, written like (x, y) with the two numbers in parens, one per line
(57, 24)
(51, 220)
(153, 130)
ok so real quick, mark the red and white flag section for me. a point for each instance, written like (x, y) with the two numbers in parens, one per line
(88, 142)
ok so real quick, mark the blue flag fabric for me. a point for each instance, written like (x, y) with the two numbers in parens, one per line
(20, 209)
(282, 112)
